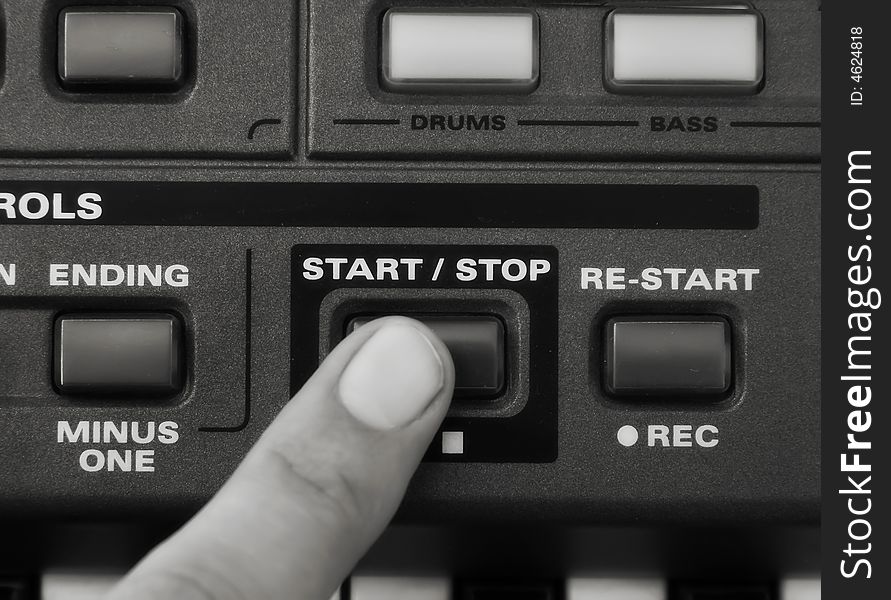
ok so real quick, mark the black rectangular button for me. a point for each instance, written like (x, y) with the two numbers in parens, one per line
(121, 46)
(668, 355)
(476, 343)
(133, 353)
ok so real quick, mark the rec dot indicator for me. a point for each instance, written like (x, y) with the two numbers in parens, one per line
(627, 435)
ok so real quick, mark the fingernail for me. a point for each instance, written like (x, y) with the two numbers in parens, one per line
(392, 379)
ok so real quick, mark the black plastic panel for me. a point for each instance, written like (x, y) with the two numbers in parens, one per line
(282, 139)
(522, 427)
(238, 310)
(232, 84)
(365, 204)
(571, 115)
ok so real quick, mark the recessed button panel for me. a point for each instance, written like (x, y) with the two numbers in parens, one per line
(476, 343)
(457, 51)
(134, 353)
(668, 356)
(132, 46)
(684, 50)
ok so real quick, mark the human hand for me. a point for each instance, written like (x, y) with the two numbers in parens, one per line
(321, 483)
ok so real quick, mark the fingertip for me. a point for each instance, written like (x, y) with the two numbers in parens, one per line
(399, 371)
(369, 329)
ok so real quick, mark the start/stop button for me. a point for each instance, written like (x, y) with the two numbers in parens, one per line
(476, 343)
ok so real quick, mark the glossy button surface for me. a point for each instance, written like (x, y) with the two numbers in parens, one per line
(136, 354)
(684, 50)
(130, 46)
(668, 356)
(442, 50)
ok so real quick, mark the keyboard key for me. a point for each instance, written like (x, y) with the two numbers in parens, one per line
(460, 51)
(800, 588)
(368, 587)
(724, 592)
(608, 588)
(16, 588)
(124, 47)
(77, 584)
(508, 591)
(684, 50)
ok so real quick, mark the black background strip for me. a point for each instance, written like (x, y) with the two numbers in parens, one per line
(847, 129)
(408, 205)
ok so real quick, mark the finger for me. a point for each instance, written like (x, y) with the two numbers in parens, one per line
(320, 484)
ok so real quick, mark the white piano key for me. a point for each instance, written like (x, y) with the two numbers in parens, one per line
(367, 587)
(614, 588)
(73, 585)
(800, 588)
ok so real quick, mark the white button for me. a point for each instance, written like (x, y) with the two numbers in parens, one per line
(367, 587)
(426, 50)
(684, 50)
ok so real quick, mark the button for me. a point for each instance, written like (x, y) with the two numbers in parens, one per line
(668, 356)
(460, 51)
(684, 50)
(133, 353)
(123, 47)
(476, 343)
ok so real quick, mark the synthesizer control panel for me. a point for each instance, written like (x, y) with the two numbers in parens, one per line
(610, 212)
